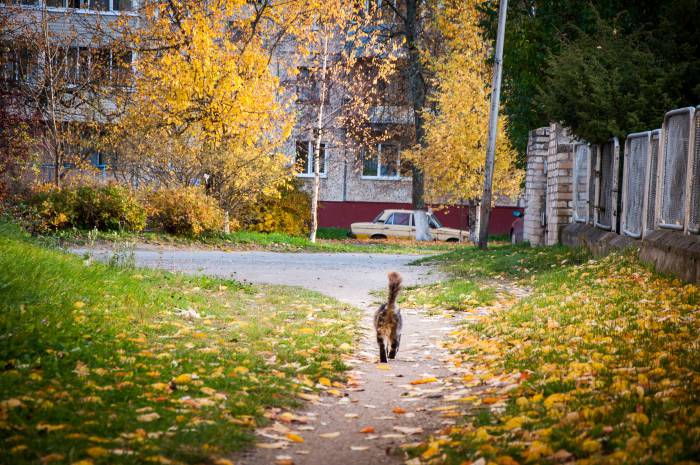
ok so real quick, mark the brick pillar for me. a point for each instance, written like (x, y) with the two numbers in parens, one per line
(560, 163)
(535, 186)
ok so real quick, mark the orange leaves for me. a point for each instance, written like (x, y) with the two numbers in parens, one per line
(398, 410)
(294, 437)
(368, 430)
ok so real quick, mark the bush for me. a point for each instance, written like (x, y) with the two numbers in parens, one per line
(106, 208)
(288, 213)
(185, 211)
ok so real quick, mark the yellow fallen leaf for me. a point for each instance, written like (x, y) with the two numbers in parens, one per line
(383, 366)
(241, 370)
(294, 437)
(83, 462)
(223, 461)
(590, 446)
(324, 382)
(424, 381)
(306, 331)
(506, 460)
(432, 450)
(97, 452)
(183, 378)
(638, 418)
(52, 458)
(49, 428)
(515, 422)
(78, 304)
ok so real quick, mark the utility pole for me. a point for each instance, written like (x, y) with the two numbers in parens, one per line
(485, 208)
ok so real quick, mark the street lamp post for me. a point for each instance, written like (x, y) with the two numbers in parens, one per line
(485, 208)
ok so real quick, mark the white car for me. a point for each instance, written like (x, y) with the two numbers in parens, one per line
(400, 223)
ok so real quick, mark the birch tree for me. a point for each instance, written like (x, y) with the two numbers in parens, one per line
(337, 42)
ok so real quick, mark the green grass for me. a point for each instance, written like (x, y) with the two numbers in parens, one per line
(451, 294)
(328, 241)
(505, 260)
(332, 233)
(97, 364)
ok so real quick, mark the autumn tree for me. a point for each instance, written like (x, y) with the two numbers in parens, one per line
(337, 80)
(206, 107)
(53, 84)
(456, 130)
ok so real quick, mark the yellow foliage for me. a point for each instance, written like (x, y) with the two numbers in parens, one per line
(456, 133)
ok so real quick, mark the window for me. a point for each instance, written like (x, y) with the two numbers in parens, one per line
(92, 5)
(307, 87)
(399, 219)
(305, 158)
(16, 65)
(384, 163)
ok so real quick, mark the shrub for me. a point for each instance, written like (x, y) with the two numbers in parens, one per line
(288, 213)
(185, 210)
(106, 208)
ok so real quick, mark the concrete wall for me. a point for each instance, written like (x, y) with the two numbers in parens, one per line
(668, 252)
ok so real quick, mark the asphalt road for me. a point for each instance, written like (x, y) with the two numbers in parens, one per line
(349, 277)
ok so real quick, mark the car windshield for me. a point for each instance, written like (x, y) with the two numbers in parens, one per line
(376, 218)
(435, 222)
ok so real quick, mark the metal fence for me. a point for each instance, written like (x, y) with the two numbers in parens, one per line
(607, 185)
(675, 169)
(634, 183)
(652, 180)
(582, 176)
(694, 220)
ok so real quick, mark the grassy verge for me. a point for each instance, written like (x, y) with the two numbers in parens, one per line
(599, 365)
(328, 242)
(474, 271)
(121, 365)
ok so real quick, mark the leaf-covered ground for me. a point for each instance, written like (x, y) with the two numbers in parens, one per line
(119, 365)
(599, 364)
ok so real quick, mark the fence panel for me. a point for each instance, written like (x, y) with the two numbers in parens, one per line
(652, 175)
(694, 221)
(634, 183)
(607, 186)
(581, 179)
(592, 182)
(675, 166)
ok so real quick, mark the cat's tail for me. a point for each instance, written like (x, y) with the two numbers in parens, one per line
(394, 288)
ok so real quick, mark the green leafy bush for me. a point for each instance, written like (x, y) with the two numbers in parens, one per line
(106, 208)
(287, 213)
(185, 211)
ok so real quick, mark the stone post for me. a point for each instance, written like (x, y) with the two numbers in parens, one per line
(536, 186)
(560, 192)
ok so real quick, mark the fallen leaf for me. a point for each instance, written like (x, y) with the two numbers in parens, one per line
(359, 448)
(271, 445)
(329, 435)
(97, 452)
(294, 437)
(368, 429)
(408, 430)
(148, 417)
(324, 382)
(424, 381)
(398, 410)
(284, 460)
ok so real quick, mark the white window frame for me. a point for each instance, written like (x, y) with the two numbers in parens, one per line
(379, 165)
(61, 9)
(309, 160)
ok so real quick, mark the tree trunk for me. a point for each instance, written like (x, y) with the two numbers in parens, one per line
(416, 92)
(318, 133)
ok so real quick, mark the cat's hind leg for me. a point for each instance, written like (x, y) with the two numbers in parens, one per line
(395, 341)
(382, 350)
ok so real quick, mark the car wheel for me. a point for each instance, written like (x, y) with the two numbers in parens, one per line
(452, 239)
(378, 236)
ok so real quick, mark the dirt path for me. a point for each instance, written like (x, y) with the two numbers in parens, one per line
(379, 398)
